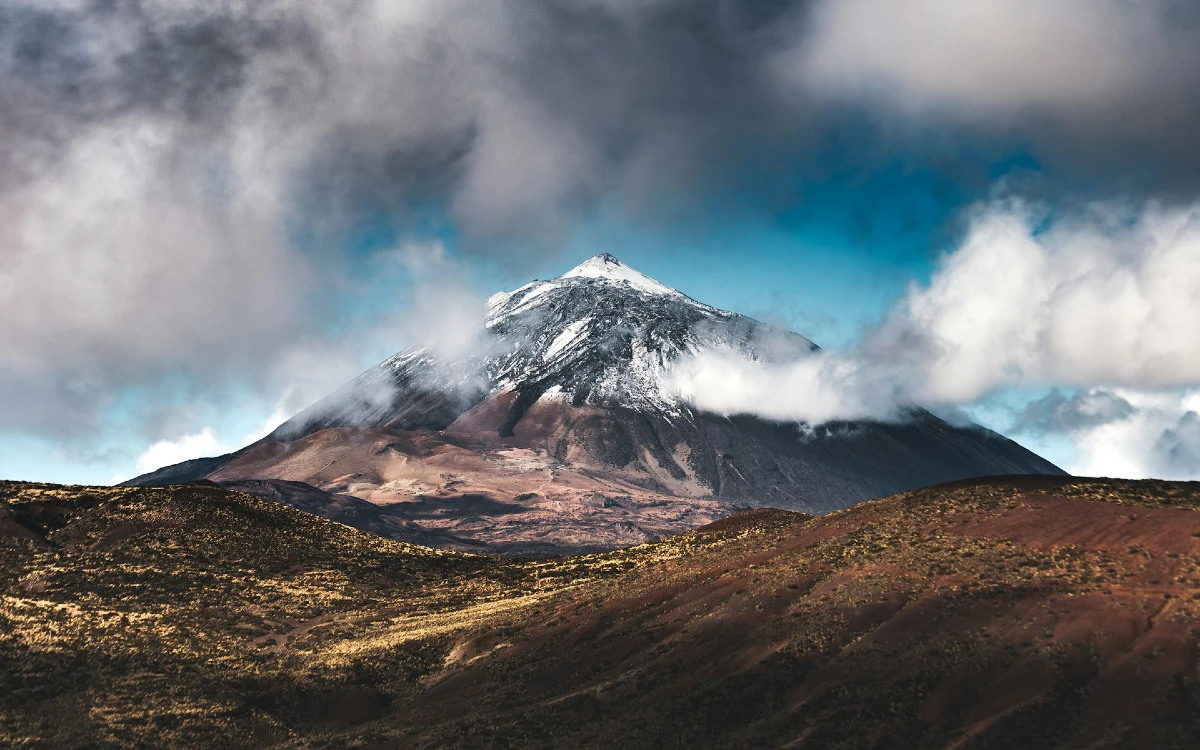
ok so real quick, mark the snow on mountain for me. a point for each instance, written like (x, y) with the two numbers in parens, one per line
(570, 335)
(606, 335)
(608, 268)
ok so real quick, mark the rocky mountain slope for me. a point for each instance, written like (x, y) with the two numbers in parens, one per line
(1031, 612)
(562, 432)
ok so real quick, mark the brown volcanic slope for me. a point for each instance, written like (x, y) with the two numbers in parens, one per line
(444, 490)
(1015, 612)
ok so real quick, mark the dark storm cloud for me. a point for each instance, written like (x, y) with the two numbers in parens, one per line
(158, 158)
(514, 112)
(518, 117)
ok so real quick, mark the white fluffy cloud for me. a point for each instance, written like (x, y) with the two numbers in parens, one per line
(204, 443)
(1108, 296)
(1105, 297)
(816, 388)
(1159, 437)
(183, 448)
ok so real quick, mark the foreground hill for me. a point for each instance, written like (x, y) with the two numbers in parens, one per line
(1014, 612)
(563, 431)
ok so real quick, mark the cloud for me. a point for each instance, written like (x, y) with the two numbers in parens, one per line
(813, 388)
(515, 116)
(1177, 449)
(1158, 435)
(184, 448)
(445, 314)
(105, 279)
(1057, 412)
(1103, 297)
(1007, 55)
(1084, 81)
(202, 443)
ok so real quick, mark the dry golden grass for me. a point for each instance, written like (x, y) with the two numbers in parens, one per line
(1003, 613)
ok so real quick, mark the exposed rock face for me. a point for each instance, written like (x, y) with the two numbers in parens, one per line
(568, 398)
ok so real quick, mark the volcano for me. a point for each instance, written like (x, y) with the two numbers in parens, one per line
(561, 432)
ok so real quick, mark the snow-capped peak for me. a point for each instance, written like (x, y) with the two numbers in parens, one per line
(607, 267)
(601, 335)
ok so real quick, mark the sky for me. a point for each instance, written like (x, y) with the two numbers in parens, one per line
(212, 214)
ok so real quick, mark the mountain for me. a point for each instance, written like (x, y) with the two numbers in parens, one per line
(1026, 612)
(561, 431)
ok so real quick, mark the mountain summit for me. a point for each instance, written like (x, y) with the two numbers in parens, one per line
(608, 268)
(601, 335)
(562, 432)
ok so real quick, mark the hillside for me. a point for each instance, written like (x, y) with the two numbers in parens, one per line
(1012, 612)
